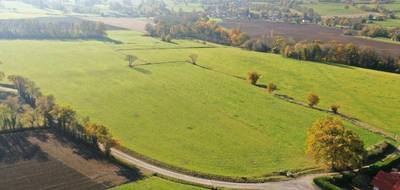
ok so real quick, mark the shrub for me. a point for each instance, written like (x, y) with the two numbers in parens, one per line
(348, 32)
(253, 77)
(378, 151)
(272, 87)
(131, 59)
(335, 108)
(166, 37)
(193, 59)
(312, 99)
(361, 181)
(325, 184)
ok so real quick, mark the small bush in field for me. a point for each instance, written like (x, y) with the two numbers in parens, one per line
(193, 59)
(312, 99)
(253, 77)
(272, 87)
(335, 108)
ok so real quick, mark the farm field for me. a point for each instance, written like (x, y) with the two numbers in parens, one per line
(386, 40)
(19, 10)
(390, 23)
(395, 6)
(186, 7)
(42, 160)
(334, 9)
(156, 183)
(135, 24)
(300, 32)
(196, 118)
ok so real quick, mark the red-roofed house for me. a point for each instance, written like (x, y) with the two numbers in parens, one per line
(386, 181)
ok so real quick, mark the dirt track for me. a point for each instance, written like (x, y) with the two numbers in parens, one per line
(300, 32)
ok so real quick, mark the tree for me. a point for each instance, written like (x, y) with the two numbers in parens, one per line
(335, 108)
(193, 59)
(238, 37)
(253, 77)
(65, 117)
(26, 89)
(2, 75)
(100, 133)
(44, 106)
(8, 118)
(131, 59)
(330, 143)
(271, 87)
(28, 117)
(312, 99)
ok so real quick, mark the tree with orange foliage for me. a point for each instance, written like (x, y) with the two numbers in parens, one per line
(338, 148)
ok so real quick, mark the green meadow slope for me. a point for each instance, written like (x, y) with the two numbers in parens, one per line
(20, 10)
(197, 118)
(156, 183)
(366, 94)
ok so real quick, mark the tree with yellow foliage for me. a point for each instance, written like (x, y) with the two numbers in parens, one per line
(99, 133)
(331, 144)
(238, 37)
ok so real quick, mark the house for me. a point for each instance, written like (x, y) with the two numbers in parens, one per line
(386, 181)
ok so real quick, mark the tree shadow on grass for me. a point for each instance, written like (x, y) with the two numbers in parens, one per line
(141, 70)
(261, 85)
(339, 65)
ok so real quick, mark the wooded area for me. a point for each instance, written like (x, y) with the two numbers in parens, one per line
(51, 29)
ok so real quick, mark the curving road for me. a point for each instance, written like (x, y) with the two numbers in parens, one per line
(301, 183)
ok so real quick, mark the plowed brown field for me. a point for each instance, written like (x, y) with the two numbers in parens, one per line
(41, 159)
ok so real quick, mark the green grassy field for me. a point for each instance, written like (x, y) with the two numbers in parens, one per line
(156, 183)
(188, 7)
(197, 118)
(395, 6)
(390, 23)
(387, 40)
(359, 99)
(20, 10)
(333, 9)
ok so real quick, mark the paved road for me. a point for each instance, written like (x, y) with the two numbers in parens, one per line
(302, 183)
(5, 89)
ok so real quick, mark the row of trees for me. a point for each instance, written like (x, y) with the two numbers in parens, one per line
(198, 26)
(31, 109)
(379, 31)
(44, 29)
(194, 25)
(348, 54)
(333, 52)
(363, 27)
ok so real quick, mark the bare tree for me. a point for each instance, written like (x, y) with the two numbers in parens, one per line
(131, 59)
